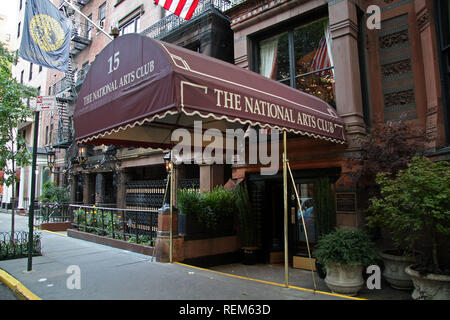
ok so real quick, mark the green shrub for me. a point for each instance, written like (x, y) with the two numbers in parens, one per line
(189, 201)
(345, 247)
(210, 208)
(415, 206)
(53, 193)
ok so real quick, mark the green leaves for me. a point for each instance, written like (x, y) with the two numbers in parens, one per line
(209, 207)
(415, 205)
(345, 247)
(13, 112)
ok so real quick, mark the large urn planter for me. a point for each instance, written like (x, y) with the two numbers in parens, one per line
(394, 269)
(344, 279)
(430, 286)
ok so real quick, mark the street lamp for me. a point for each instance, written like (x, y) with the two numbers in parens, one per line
(168, 162)
(82, 154)
(51, 154)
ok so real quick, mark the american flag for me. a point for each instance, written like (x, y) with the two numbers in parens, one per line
(321, 59)
(181, 8)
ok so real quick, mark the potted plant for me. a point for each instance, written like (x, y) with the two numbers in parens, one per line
(247, 225)
(418, 203)
(345, 253)
(388, 147)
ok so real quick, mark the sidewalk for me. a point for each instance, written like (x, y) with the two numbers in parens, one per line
(109, 273)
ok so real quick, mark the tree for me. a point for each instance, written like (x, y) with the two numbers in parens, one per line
(13, 111)
(415, 207)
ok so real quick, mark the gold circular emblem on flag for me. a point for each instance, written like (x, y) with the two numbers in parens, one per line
(46, 32)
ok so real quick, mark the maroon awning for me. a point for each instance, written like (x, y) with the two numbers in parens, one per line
(139, 89)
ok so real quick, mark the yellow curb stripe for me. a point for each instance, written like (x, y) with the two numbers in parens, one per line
(269, 282)
(59, 234)
(18, 288)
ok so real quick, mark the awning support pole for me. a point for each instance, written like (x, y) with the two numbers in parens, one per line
(304, 226)
(285, 199)
(171, 209)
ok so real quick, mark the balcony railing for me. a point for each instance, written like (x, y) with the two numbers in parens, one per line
(61, 86)
(171, 22)
(81, 36)
(81, 75)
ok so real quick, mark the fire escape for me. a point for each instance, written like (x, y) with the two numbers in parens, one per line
(66, 89)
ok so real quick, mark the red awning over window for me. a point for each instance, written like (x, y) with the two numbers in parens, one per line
(138, 90)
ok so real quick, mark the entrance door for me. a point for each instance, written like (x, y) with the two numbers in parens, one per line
(297, 229)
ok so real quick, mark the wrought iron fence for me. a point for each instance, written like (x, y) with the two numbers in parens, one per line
(16, 246)
(52, 212)
(138, 226)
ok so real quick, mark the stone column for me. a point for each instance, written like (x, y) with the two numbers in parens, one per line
(122, 180)
(99, 189)
(73, 188)
(87, 190)
(162, 247)
(211, 176)
(344, 33)
(434, 112)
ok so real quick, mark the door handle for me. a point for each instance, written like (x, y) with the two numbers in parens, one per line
(293, 215)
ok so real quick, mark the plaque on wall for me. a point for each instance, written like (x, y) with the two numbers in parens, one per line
(345, 202)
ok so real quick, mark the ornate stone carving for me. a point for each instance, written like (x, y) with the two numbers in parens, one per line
(396, 68)
(423, 20)
(394, 39)
(399, 98)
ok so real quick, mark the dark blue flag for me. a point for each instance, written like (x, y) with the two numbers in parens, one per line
(46, 35)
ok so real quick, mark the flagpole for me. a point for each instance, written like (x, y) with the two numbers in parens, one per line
(84, 16)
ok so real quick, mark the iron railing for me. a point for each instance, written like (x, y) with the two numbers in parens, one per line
(138, 226)
(81, 74)
(62, 85)
(52, 212)
(16, 246)
(169, 23)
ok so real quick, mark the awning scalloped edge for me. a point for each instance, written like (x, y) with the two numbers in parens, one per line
(205, 116)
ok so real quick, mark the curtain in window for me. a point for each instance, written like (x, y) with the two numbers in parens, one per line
(268, 57)
(329, 40)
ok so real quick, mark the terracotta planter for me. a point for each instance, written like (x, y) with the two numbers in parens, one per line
(344, 279)
(394, 270)
(429, 287)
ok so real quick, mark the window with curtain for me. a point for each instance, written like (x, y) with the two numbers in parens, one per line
(131, 26)
(301, 58)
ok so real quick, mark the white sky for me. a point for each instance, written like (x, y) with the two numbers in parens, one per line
(9, 8)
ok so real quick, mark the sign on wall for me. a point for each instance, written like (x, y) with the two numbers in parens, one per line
(43, 103)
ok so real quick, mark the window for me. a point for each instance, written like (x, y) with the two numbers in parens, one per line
(40, 68)
(131, 26)
(18, 30)
(89, 27)
(442, 11)
(20, 4)
(102, 15)
(46, 135)
(39, 90)
(30, 74)
(301, 58)
(21, 76)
